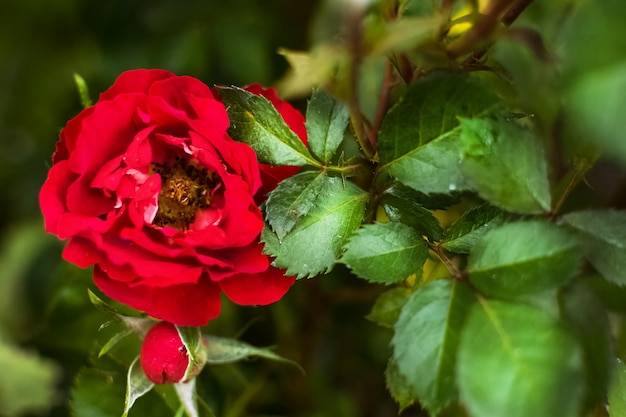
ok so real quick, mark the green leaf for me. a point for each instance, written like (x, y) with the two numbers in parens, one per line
(589, 323)
(255, 121)
(137, 385)
(505, 164)
(617, 392)
(521, 258)
(314, 243)
(396, 383)
(426, 339)
(292, 199)
(221, 350)
(101, 305)
(326, 121)
(516, 361)
(83, 91)
(387, 307)
(418, 141)
(408, 211)
(385, 252)
(603, 240)
(113, 341)
(463, 234)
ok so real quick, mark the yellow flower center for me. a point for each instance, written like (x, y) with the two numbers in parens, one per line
(185, 189)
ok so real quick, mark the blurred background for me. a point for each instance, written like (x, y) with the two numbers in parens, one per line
(49, 331)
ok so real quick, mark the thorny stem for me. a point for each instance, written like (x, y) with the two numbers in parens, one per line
(576, 176)
(355, 33)
(383, 102)
(439, 251)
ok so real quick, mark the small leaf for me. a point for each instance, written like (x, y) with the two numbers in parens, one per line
(101, 305)
(326, 121)
(463, 234)
(137, 385)
(196, 352)
(426, 339)
(603, 239)
(221, 350)
(617, 392)
(385, 252)
(186, 392)
(292, 199)
(411, 213)
(521, 258)
(418, 140)
(314, 243)
(83, 91)
(113, 341)
(387, 307)
(516, 361)
(505, 164)
(255, 121)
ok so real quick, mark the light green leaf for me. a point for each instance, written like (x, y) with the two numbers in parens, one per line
(113, 341)
(463, 234)
(192, 340)
(400, 207)
(418, 141)
(326, 121)
(516, 361)
(292, 199)
(521, 258)
(137, 385)
(426, 339)
(314, 243)
(221, 350)
(617, 392)
(387, 307)
(255, 121)
(603, 239)
(589, 323)
(505, 164)
(396, 383)
(385, 252)
(83, 91)
(101, 305)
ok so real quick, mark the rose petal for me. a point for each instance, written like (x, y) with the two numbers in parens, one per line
(135, 81)
(257, 289)
(183, 305)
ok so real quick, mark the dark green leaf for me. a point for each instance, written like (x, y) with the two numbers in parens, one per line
(463, 234)
(588, 320)
(516, 361)
(418, 141)
(292, 199)
(326, 121)
(315, 242)
(412, 214)
(387, 307)
(255, 121)
(426, 339)
(603, 239)
(617, 392)
(505, 164)
(385, 252)
(522, 258)
(221, 350)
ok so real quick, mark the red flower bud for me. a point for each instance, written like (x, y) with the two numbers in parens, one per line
(163, 355)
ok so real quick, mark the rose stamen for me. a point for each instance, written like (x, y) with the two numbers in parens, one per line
(186, 188)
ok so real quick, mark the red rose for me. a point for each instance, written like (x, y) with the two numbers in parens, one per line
(163, 356)
(147, 186)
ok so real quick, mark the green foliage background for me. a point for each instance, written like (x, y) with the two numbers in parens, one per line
(48, 327)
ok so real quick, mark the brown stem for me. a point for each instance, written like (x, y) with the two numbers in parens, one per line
(383, 102)
(454, 271)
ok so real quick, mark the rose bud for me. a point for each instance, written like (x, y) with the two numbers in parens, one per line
(163, 355)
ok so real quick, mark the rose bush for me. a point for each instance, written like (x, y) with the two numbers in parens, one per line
(147, 186)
